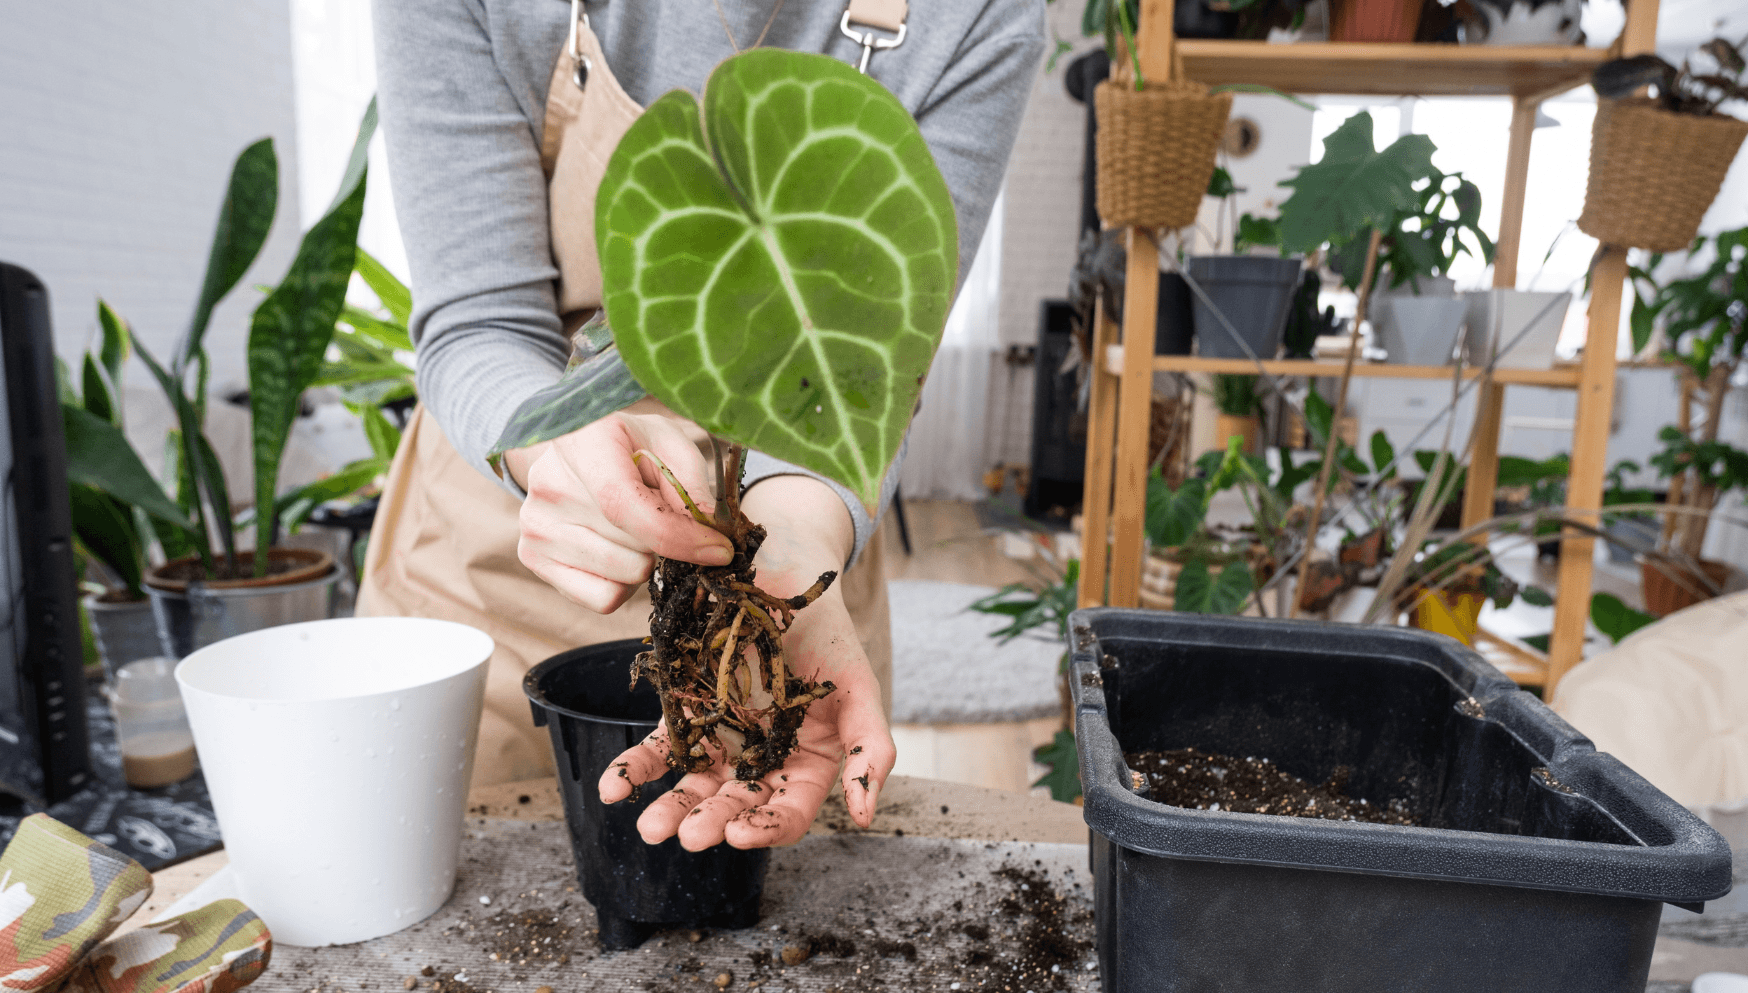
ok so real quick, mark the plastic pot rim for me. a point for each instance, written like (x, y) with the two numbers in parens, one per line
(1695, 852)
(536, 695)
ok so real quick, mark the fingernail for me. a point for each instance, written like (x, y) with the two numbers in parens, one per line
(714, 553)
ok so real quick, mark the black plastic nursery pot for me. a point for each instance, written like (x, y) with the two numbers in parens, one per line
(1174, 324)
(636, 888)
(1541, 866)
(1254, 292)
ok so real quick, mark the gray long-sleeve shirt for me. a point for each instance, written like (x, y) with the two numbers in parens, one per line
(462, 91)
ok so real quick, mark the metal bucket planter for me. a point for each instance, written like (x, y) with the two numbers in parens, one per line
(192, 614)
(124, 630)
(1536, 864)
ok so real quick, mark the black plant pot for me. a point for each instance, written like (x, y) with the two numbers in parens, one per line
(1254, 292)
(636, 888)
(1198, 19)
(1174, 324)
(1540, 869)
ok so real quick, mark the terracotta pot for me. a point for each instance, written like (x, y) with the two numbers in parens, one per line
(302, 565)
(1666, 585)
(1374, 20)
(1228, 425)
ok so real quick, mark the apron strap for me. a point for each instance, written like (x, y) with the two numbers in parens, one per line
(883, 15)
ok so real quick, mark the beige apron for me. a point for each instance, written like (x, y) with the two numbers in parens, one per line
(444, 541)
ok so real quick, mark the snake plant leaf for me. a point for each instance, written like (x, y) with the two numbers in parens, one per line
(117, 341)
(1353, 187)
(244, 219)
(99, 456)
(779, 260)
(394, 295)
(291, 329)
(105, 527)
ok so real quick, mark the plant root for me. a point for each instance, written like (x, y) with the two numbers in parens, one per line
(716, 647)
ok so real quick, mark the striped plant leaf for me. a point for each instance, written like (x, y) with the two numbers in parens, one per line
(779, 260)
(596, 384)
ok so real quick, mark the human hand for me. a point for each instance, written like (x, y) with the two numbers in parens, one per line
(809, 534)
(594, 519)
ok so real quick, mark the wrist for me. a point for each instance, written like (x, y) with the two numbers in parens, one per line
(808, 529)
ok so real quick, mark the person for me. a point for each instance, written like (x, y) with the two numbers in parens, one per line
(500, 117)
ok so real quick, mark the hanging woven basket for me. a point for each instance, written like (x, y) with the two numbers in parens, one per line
(1156, 150)
(1654, 173)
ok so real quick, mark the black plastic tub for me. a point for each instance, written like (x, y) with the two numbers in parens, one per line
(582, 696)
(1254, 292)
(1542, 866)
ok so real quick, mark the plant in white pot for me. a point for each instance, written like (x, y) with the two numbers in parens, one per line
(205, 593)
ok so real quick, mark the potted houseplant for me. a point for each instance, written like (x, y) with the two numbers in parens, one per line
(1704, 318)
(1373, 20)
(115, 501)
(203, 594)
(1237, 405)
(1639, 195)
(803, 385)
(1418, 315)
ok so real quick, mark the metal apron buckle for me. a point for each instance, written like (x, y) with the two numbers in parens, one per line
(869, 40)
(580, 18)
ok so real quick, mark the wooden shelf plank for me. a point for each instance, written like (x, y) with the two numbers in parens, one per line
(1393, 69)
(1564, 376)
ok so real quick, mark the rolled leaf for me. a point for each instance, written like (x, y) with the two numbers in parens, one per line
(244, 219)
(99, 456)
(293, 326)
(779, 260)
(588, 391)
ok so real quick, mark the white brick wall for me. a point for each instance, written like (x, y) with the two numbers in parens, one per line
(118, 125)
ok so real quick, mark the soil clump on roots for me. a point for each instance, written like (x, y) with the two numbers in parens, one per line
(716, 647)
(1189, 777)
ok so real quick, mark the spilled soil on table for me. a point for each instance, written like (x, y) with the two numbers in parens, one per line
(1198, 780)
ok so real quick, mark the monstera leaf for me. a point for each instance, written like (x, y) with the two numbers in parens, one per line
(779, 260)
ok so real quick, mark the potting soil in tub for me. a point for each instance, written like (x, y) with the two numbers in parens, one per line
(1192, 778)
(1526, 860)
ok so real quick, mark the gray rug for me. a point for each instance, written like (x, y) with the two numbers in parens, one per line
(946, 669)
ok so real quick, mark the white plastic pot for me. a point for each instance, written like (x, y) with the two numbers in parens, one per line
(338, 754)
(1421, 330)
(1498, 317)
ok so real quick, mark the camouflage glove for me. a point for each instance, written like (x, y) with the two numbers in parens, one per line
(60, 895)
(219, 948)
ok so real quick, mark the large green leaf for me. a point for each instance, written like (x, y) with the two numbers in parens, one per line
(1200, 592)
(99, 456)
(105, 527)
(1174, 516)
(244, 218)
(1354, 186)
(1614, 618)
(293, 326)
(779, 260)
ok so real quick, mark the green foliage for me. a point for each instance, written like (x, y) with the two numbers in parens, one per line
(1426, 240)
(596, 384)
(1614, 618)
(779, 259)
(1383, 455)
(289, 335)
(1256, 232)
(1199, 591)
(105, 529)
(1460, 567)
(1060, 755)
(1704, 316)
(1715, 463)
(1616, 491)
(1220, 184)
(99, 456)
(1174, 517)
(1235, 394)
(1535, 596)
(365, 355)
(1354, 187)
(1027, 608)
(245, 216)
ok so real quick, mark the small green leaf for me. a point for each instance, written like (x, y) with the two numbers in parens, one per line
(383, 436)
(1383, 456)
(1063, 758)
(1535, 596)
(1199, 592)
(98, 399)
(1539, 642)
(296, 506)
(117, 341)
(779, 260)
(387, 334)
(1173, 518)
(1614, 618)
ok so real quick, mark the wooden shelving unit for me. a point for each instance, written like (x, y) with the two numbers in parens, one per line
(1119, 415)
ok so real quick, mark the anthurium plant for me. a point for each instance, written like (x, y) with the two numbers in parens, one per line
(779, 256)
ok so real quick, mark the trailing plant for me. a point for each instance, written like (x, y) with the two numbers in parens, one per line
(750, 291)
(1679, 90)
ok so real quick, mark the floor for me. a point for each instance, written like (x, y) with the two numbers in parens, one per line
(949, 545)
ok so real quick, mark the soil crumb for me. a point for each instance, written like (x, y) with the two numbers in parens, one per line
(1047, 950)
(521, 937)
(1198, 780)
